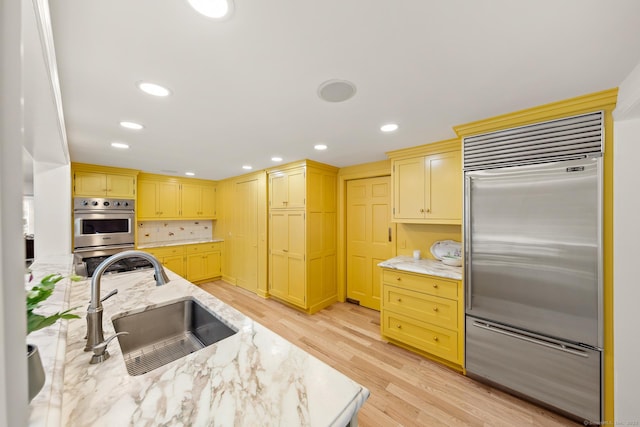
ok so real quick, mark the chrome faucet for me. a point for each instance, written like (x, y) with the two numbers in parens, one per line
(95, 334)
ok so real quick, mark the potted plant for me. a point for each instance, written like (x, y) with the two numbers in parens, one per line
(35, 296)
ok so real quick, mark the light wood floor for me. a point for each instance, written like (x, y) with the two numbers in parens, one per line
(406, 389)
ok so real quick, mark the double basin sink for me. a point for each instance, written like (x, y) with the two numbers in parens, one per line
(166, 333)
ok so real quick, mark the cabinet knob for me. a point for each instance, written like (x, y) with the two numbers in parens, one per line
(435, 339)
(399, 326)
(399, 299)
(285, 250)
(435, 286)
(428, 210)
(435, 308)
(398, 278)
(421, 210)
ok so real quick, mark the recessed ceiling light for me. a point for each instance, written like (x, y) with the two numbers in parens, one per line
(276, 159)
(216, 9)
(190, 173)
(131, 125)
(335, 90)
(153, 89)
(389, 127)
(247, 167)
(320, 147)
(120, 145)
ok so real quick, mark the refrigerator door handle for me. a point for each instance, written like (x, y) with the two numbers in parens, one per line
(561, 347)
(467, 240)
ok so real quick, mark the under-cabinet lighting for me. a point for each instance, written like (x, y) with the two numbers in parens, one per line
(153, 89)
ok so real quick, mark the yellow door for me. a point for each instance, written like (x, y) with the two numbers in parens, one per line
(168, 201)
(296, 188)
(121, 186)
(278, 188)
(278, 255)
(287, 272)
(369, 236)
(246, 214)
(174, 263)
(296, 259)
(191, 200)
(196, 267)
(209, 201)
(90, 184)
(147, 199)
(444, 189)
(212, 264)
(409, 188)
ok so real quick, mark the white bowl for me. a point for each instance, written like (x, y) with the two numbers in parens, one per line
(455, 262)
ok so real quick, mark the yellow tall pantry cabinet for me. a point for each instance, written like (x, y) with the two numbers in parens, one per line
(302, 234)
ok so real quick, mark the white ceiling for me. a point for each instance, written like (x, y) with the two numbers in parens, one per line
(245, 89)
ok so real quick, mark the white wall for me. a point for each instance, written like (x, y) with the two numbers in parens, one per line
(52, 208)
(626, 300)
(13, 364)
(626, 238)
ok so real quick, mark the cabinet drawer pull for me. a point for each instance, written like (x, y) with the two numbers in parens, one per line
(435, 339)
(398, 278)
(435, 308)
(285, 250)
(435, 286)
(399, 326)
(399, 299)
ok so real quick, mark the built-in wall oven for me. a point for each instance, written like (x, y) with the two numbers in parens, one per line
(101, 228)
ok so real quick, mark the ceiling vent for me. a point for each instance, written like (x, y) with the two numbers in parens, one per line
(336, 90)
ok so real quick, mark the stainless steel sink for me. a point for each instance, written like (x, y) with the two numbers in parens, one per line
(166, 333)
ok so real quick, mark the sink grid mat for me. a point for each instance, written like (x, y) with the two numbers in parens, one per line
(148, 358)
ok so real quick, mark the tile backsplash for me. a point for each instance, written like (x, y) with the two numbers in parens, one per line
(150, 232)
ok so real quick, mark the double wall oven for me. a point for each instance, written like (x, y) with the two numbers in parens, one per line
(101, 228)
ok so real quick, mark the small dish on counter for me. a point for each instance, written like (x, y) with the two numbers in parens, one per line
(453, 261)
(448, 248)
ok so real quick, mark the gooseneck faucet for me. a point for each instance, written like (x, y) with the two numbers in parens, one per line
(95, 334)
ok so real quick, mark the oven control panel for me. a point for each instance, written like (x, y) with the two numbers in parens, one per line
(80, 203)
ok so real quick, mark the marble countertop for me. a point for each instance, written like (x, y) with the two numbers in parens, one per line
(431, 267)
(172, 243)
(253, 377)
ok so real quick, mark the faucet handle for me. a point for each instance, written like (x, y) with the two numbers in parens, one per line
(100, 353)
(109, 295)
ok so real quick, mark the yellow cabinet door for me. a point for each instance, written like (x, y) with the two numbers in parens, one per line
(287, 257)
(121, 186)
(196, 267)
(90, 184)
(208, 206)
(443, 191)
(212, 265)
(174, 263)
(168, 200)
(147, 199)
(288, 189)
(191, 200)
(409, 188)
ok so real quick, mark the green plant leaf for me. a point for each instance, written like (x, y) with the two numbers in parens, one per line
(39, 293)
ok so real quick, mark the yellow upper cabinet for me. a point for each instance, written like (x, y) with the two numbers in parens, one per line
(172, 198)
(427, 184)
(287, 189)
(101, 181)
(198, 200)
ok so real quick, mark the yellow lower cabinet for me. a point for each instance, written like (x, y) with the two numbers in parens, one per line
(203, 261)
(175, 263)
(424, 314)
(171, 257)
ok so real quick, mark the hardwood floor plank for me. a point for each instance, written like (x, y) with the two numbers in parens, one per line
(406, 389)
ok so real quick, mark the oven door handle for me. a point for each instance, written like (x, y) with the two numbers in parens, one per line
(101, 248)
(101, 211)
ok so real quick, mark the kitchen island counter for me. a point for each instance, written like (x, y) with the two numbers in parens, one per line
(254, 377)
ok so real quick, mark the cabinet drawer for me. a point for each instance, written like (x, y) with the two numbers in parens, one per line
(423, 336)
(422, 283)
(165, 251)
(427, 308)
(203, 247)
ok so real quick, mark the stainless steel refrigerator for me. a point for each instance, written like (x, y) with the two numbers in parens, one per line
(533, 272)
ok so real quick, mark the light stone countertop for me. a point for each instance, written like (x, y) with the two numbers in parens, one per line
(254, 377)
(431, 267)
(175, 243)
